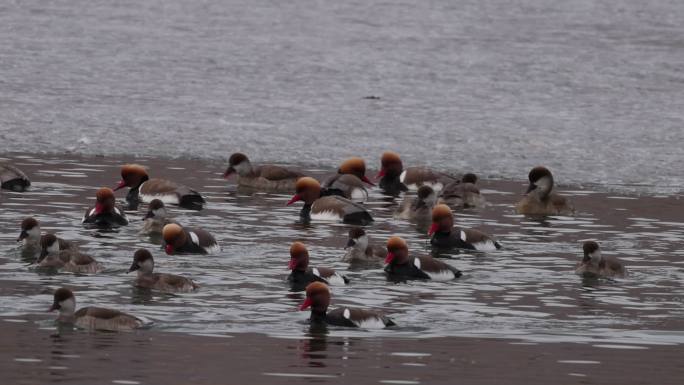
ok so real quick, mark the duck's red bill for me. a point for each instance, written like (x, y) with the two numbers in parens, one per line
(122, 184)
(307, 303)
(295, 198)
(389, 258)
(433, 228)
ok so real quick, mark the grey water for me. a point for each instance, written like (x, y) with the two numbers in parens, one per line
(592, 89)
(527, 290)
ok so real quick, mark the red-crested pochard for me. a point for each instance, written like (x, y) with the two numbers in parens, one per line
(445, 236)
(144, 189)
(155, 219)
(263, 177)
(105, 213)
(327, 208)
(463, 193)
(395, 178)
(70, 260)
(91, 318)
(359, 249)
(594, 264)
(401, 266)
(143, 263)
(11, 178)
(30, 236)
(541, 198)
(349, 180)
(418, 208)
(179, 239)
(318, 299)
(303, 275)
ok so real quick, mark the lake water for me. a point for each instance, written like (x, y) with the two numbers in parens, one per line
(593, 90)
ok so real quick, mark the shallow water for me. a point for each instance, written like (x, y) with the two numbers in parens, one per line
(592, 90)
(526, 291)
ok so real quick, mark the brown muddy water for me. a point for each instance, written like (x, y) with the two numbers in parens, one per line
(517, 312)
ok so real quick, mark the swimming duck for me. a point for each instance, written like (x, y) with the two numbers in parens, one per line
(144, 189)
(30, 236)
(401, 266)
(445, 236)
(92, 318)
(303, 275)
(11, 178)
(327, 208)
(349, 180)
(179, 239)
(595, 264)
(143, 263)
(318, 299)
(463, 193)
(418, 208)
(155, 219)
(264, 177)
(105, 213)
(396, 179)
(540, 198)
(360, 251)
(66, 260)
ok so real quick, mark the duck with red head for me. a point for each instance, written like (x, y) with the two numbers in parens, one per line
(188, 240)
(444, 236)
(401, 266)
(396, 179)
(143, 263)
(349, 180)
(360, 251)
(144, 189)
(30, 236)
(105, 213)
(318, 299)
(266, 177)
(541, 198)
(73, 261)
(91, 318)
(463, 194)
(595, 265)
(13, 179)
(303, 275)
(327, 208)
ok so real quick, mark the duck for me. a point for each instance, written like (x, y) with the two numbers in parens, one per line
(418, 208)
(402, 267)
(105, 213)
(144, 189)
(359, 249)
(318, 299)
(265, 177)
(395, 179)
(443, 234)
(303, 275)
(143, 263)
(463, 193)
(594, 264)
(91, 318)
(155, 219)
(182, 240)
(70, 260)
(327, 208)
(541, 198)
(30, 236)
(349, 180)
(13, 179)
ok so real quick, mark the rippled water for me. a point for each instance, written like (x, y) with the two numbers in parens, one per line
(591, 89)
(527, 290)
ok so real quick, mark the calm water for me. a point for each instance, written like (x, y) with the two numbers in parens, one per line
(527, 290)
(594, 90)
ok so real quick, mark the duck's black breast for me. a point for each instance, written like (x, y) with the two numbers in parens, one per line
(450, 240)
(405, 271)
(299, 279)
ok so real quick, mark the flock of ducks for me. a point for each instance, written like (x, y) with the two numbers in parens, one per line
(339, 198)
